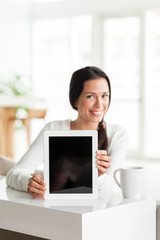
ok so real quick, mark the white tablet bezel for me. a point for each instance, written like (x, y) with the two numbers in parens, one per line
(91, 133)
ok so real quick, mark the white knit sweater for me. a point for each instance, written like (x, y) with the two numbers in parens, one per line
(18, 176)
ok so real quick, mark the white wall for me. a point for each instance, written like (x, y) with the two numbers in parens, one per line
(15, 36)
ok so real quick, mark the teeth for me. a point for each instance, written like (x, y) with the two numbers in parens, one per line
(96, 112)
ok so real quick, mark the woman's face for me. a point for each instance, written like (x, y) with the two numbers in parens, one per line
(93, 102)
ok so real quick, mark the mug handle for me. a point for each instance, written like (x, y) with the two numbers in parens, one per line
(115, 177)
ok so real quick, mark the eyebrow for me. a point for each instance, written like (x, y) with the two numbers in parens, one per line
(94, 92)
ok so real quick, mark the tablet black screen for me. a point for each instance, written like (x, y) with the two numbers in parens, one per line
(70, 164)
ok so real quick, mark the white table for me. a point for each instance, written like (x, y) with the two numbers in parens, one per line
(108, 218)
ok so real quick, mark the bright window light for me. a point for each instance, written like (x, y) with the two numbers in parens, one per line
(121, 62)
(60, 46)
(152, 90)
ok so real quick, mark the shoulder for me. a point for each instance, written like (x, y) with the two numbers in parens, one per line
(115, 129)
(116, 134)
(58, 125)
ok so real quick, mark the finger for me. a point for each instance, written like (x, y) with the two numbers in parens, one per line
(36, 195)
(103, 164)
(34, 184)
(36, 191)
(102, 152)
(104, 158)
(102, 169)
(37, 185)
(38, 178)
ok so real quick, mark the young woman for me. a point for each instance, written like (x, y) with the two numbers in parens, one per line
(90, 95)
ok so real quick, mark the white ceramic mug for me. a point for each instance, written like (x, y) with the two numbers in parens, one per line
(131, 181)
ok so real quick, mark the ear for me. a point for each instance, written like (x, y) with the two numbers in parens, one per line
(76, 104)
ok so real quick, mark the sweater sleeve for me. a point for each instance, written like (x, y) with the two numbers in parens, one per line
(18, 176)
(118, 143)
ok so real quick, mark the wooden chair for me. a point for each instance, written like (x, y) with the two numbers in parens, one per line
(6, 131)
(2, 147)
(7, 119)
(32, 114)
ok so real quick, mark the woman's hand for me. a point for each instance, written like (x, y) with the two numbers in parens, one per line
(103, 162)
(36, 186)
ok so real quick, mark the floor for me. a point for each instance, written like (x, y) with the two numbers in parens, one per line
(9, 235)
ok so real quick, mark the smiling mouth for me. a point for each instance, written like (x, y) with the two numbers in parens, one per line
(96, 113)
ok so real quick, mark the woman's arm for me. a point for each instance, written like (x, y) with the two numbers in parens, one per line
(18, 177)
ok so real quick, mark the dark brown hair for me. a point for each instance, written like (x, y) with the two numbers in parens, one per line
(78, 79)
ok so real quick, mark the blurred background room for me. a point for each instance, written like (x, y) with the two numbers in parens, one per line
(43, 41)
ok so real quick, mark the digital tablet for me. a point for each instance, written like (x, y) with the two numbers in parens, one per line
(70, 170)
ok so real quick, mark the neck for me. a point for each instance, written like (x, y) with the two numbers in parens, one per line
(79, 125)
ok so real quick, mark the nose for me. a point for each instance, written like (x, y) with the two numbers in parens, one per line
(98, 102)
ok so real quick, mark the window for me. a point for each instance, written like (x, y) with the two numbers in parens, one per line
(131, 58)
(121, 63)
(60, 46)
(152, 85)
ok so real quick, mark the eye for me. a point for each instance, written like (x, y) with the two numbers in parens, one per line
(90, 96)
(105, 95)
